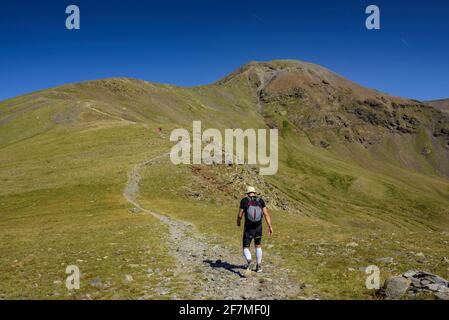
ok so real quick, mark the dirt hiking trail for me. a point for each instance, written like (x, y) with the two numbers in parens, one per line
(211, 271)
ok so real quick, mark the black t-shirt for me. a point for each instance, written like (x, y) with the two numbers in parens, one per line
(244, 206)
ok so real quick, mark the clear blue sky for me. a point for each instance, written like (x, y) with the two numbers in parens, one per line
(198, 42)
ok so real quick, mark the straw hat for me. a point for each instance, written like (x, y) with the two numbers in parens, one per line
(250, 190)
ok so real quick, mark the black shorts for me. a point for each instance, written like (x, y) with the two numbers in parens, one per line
(251, 233)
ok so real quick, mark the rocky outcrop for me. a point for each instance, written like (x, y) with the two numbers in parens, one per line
(230, 181)
(414, 283)
(396, 287)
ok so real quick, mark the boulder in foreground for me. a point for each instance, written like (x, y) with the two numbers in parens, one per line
(414, 283)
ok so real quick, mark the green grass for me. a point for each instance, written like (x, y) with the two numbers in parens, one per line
(45, 231)
(56, 213)
(313, 249)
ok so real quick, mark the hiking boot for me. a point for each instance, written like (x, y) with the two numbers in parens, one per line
(247, 271)
(258, 268)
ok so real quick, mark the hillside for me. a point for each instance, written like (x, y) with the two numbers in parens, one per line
(442, 104)
(85, 180)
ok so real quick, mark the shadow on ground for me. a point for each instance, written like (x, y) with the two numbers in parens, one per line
(219, 264)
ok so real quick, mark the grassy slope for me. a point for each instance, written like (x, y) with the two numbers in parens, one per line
(55, 213)
(442, 104)
(63, 167)
(314, 248)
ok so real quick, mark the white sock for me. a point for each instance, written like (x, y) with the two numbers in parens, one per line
(247, 255)
(259, 255)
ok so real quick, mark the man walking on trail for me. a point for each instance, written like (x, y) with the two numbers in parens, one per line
(253, 208)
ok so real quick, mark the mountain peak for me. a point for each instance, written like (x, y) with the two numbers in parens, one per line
(275, 66)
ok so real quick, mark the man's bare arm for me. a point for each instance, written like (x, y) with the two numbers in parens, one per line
(268, 220)
(239, 217)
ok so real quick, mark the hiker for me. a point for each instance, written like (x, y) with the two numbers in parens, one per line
(253, 207)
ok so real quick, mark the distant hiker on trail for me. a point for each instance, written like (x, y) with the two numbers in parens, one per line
(253, 208)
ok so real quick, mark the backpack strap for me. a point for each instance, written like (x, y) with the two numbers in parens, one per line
(256, 200)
